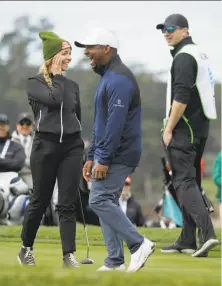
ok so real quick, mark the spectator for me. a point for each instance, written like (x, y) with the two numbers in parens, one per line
(130, 206)
(217, 179)
(12, 159)
(24, 135)
(12, 156)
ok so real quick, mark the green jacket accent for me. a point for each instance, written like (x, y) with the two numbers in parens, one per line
(216, 174)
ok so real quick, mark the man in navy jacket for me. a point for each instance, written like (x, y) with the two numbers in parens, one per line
(115, 149)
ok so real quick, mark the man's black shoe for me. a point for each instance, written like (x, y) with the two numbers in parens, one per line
(206, 247)
(177, 248)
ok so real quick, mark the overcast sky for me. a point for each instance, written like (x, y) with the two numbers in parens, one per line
(133, 22)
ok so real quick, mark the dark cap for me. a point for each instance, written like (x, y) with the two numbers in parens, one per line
(4, 118)
(25, 116)
(174, 20)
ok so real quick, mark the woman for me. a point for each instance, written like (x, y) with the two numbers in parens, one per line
(57, 149)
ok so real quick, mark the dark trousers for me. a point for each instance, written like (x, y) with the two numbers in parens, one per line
(199, 146)
(50, 160)
(184, 158)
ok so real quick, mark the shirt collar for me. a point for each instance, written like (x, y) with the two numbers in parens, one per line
(180, 45)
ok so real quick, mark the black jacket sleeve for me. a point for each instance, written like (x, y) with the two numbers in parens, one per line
(78, 105)
(16, 163)
(41, 93)
(184, 74)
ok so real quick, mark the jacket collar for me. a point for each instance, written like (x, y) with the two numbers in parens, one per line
(103, 68)
(3, 139)
(180, 45)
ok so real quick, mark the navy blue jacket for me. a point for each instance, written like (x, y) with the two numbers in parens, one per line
(117, 121)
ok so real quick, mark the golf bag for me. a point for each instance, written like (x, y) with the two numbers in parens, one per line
(170, 202)
(14, 198)
(167, 180)
(168, 184)
(167, 208)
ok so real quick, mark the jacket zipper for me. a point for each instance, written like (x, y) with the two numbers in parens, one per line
(5, 149)
(61, 123)
(40, 116)
(78, 122)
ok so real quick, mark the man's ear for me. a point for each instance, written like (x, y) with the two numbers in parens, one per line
(185, 32)
(107, 50)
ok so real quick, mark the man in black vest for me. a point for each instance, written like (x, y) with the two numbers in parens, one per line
(184, 138)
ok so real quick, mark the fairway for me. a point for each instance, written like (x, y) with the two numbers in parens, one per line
(161, 269)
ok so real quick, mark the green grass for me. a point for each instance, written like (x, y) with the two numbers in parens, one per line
(210, 188)
(161, 269)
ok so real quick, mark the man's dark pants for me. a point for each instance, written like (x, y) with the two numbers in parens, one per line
(183, 156)
(199, 145)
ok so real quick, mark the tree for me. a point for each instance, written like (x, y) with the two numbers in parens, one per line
(15, 68)
(14, 53)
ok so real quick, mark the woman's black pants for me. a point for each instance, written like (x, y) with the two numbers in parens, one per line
(50, 160)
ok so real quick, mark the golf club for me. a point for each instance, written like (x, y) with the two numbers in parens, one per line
(154, 208)
(86, 260)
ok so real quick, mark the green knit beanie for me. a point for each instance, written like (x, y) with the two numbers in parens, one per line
(52, 44)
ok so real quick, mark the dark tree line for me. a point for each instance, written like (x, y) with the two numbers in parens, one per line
(15, 68)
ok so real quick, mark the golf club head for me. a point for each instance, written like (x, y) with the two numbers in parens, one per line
(87, 261)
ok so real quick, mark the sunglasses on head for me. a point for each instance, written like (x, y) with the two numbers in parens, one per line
(171, 29)
(25, 122)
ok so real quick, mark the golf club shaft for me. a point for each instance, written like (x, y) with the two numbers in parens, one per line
(84, 224)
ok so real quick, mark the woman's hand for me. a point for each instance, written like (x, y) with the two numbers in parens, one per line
(56, 67)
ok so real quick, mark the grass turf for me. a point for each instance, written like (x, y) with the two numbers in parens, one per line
(161, 269)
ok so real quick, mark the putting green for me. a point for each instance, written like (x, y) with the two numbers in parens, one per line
(160, 269)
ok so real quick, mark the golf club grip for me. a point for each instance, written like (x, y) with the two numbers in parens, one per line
(165, 171)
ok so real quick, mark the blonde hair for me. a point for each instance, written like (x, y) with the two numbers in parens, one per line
(44, 69)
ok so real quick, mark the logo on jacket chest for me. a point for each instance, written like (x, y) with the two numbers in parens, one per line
(118, 103)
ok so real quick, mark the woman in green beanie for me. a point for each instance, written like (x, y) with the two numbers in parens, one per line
(52, 46)
(57, 149)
